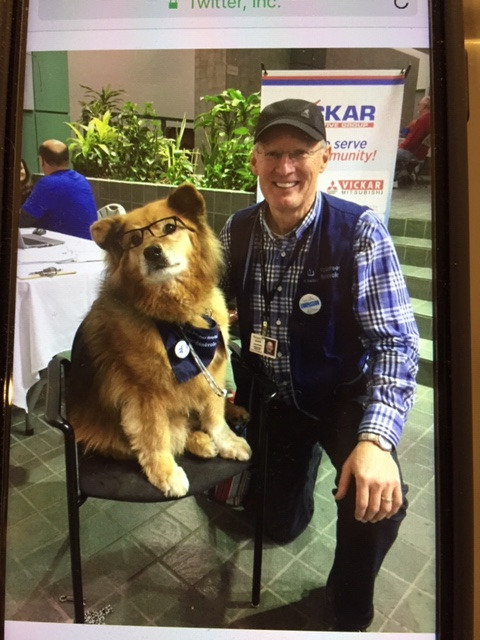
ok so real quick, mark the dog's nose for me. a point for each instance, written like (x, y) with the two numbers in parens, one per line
(154, 254)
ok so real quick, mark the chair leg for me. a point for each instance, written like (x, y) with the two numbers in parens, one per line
(260, 506)
(33, 396)
(76, 567)
(73, 505)
(259, 531)
(29, 430)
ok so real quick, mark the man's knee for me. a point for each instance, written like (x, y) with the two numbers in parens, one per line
(290, 509)
(287, 526)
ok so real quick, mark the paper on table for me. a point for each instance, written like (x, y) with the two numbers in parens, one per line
(81, 252)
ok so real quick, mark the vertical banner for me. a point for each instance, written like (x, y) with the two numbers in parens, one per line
(362, 117)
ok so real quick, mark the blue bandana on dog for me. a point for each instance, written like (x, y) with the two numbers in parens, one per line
(179, 342)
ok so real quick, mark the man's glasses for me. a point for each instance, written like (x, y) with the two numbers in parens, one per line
(157, 229)
(297, 157)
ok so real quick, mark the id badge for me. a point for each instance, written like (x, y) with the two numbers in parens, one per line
(263, 345)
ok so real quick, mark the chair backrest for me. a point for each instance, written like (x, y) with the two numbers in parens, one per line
(112, 209)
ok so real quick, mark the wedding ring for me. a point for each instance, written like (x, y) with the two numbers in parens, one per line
(385, 499)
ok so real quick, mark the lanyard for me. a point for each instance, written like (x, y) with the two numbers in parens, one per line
(268, 295)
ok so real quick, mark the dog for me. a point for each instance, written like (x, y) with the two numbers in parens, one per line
(149, 360)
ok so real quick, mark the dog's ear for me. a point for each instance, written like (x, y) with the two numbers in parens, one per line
(106, 233)
(187, 201)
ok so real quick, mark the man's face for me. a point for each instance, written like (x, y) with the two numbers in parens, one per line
(287, 164)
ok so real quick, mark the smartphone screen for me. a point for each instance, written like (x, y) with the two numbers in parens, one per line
(155, 571)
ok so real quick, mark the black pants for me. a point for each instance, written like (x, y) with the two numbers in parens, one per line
(294, 453)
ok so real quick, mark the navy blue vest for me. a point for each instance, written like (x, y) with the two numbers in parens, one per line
(326, 353)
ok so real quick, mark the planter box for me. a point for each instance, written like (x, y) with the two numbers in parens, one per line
(221, 203)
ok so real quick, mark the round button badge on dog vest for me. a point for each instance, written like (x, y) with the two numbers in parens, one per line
(182, 349)
(310, 304)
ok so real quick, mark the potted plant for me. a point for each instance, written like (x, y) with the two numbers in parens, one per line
(120, 141)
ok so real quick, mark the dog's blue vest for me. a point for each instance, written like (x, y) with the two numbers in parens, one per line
(326, 353)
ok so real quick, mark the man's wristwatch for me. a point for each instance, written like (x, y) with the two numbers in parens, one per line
(380, 441)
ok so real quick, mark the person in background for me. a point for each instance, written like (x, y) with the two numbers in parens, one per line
(415, 146)
(25, 190)
(25, 181)
(62, 200)
(319, 276)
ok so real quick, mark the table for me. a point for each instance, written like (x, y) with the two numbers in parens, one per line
(48, 310)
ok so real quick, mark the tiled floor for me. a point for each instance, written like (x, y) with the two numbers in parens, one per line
(161, 564)
(188, 563)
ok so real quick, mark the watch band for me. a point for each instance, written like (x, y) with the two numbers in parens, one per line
(380, 441)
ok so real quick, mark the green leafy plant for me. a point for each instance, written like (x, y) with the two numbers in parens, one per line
(126, 146)
(181, 164)
(118, 140)
(228, 144)
(107, 99)
(93, 147)
(141, 147)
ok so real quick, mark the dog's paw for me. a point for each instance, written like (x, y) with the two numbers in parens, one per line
(201, 444)
(234, 414)
(176, 484)
(235, 448)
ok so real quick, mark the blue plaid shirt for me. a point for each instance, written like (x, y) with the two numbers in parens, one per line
(381, 305)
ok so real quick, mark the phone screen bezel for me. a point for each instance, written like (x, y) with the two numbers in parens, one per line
(453, 467)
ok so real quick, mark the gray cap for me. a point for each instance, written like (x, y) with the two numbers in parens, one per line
(301, 114)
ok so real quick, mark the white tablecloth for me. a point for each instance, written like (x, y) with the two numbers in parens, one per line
(49, 310)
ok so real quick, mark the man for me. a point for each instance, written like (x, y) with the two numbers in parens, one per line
(320, 276)
(63, 199)
(416, 145)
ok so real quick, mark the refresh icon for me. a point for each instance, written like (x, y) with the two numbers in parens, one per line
(400, 6)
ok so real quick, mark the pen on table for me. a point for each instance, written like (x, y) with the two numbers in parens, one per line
(49, 272)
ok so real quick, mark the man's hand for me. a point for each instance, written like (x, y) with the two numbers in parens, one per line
(379, 493)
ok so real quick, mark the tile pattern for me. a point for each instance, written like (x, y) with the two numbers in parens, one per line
(188, 563)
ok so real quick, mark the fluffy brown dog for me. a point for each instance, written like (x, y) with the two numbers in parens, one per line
(135, 388)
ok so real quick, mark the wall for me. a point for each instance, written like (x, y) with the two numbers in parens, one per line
(220, 203)
(176, 80)
(47, 102)
(390, 59)
(165, 78)
(219, 69)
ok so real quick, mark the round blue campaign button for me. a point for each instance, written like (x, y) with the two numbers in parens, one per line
(310, 304)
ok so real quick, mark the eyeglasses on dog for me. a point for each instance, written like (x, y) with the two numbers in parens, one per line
(158, 229)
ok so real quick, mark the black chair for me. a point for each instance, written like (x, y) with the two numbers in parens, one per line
(93, 475)
(34, 394)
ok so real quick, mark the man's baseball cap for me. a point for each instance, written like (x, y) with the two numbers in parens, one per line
(301, 114)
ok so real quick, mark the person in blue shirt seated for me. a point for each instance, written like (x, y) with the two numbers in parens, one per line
(62, 200)
(319, 277)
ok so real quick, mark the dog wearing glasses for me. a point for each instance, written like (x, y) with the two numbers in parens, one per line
(149, 360)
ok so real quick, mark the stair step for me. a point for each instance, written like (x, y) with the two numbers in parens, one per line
(419, 281)
(413, 251)
(423, 315)
(410, 227)
(425, 369)
(412, 239)
(426, 349)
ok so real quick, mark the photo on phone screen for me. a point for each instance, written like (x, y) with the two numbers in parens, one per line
(113, 79)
